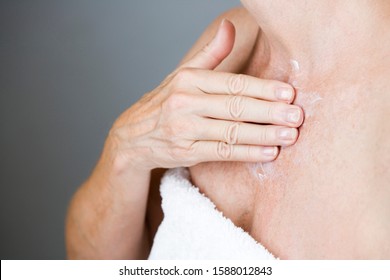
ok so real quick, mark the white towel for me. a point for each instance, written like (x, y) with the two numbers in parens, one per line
(193, 228)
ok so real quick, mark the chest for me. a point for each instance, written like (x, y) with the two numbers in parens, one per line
(296, 204)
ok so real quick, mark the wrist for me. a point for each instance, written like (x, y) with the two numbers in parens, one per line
(122, 158)
(122, 187)
(116, 174)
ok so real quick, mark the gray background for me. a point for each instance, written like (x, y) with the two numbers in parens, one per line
(67, 69)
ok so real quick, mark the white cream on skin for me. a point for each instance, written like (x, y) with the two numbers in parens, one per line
(309, 102)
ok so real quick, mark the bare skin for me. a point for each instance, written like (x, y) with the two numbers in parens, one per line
(324, 197)
(328, 195)
(196, 115)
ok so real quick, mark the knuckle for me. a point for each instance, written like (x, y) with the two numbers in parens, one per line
(176, 101)
(190, 155)
(208, 53)
(235, 106)
(174, 130)
(182, 154)
(224, 151)
(176, 154)
(264, 88)
(265, 136)
(237, 84)
(250, 153)
(182, 76)
(231, 133)
(270, 113)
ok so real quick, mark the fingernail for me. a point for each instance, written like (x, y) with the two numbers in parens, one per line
(284, 93)
(286, 133)
(270, 151)
(293, 116)
(219, 32)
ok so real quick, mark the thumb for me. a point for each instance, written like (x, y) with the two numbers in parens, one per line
(217, 50)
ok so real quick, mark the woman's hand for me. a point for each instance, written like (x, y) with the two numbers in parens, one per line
(198, 114)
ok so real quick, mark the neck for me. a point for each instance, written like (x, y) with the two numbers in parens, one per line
(321, 38)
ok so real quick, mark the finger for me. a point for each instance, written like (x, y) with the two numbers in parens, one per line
(247, 109)
(239, 84)
(221, 151)
(217, 50)
(246, 133)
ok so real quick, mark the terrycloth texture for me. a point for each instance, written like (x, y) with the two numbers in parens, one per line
(194, 229)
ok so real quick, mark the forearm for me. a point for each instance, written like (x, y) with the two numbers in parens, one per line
(106, 218)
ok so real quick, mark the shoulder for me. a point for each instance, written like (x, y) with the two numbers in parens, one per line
(246, 35)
